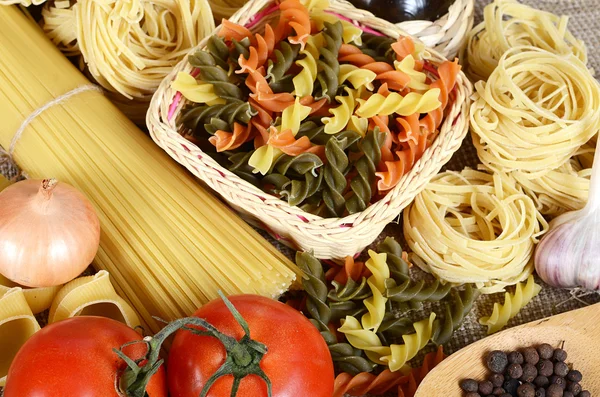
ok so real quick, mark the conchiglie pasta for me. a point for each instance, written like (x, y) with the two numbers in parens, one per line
(92, 296)
(17, 324)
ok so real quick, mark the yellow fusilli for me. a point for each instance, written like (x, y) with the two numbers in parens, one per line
(356, 76)
(375, 304)
(305, 80)
(394, 356)
(513, 303)
(380, 105)
(417, 78)
(341, 114)
(192, 90)
(293, 115)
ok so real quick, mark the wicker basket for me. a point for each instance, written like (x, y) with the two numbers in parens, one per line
(448, 34)
(328, 237)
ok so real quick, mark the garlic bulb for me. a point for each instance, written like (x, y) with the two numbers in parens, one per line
(568, 256)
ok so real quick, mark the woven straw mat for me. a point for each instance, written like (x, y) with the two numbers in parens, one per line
(585, 24)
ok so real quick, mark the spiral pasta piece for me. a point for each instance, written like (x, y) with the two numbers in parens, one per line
(351, 269)
(213, 74)
(342, 113)
(212, 118)
(296, 191)
(350, 33)
(38, 299)
(513, 303)
(415, 291)
(232, 31)
(345, 357)
(92, 296)
(258, 54)
(455, 312)
(535, 111)
(362, 184)
(194, 91)
(409, 67)
(356, 76)
(305, 80)
(366, 383)
(293, 16)
(474, 227)
(380, 105)
(287, 143)
(508, 24)
(17, 324)
(293, 116)
(284, 59)
(395, 356)
(328, 63)
(351, 290)
(224, 140)
(375, 304)
(334, 174)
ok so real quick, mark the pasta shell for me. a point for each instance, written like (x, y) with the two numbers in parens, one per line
(17, 324)
(38, 299)
(92, 296)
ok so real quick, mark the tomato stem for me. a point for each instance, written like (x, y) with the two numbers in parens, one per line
(243, 356)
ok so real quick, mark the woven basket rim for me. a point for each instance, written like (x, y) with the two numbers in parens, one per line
(159, 126)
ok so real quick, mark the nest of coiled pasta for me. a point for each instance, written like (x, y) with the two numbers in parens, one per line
(312, 109)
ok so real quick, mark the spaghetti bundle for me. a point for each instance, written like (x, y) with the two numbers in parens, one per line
(168, 244)
(508, 24)
(534, 112)
(128, 47)
(474, 227)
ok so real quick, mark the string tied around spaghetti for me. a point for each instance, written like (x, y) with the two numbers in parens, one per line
(6, 156)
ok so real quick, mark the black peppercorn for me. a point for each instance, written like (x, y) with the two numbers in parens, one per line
(516, 358)
(545, 351)
(545, 368)
(561, 369)
(486, 388)
(567, 393)
(558, 380)
(526, 390)
(574, 388)
(514, 371)
(529, 373)
(531, 355)
(496, 379)
(511, 386)
(574, 376)
(498, 391)
(585, 393)
(469, 385)
(497, 361)
(554, 391)
(472, 394)
(560, 355)
(540, 392)
(541, 381)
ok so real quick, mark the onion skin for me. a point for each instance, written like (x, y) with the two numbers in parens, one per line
(49, 233)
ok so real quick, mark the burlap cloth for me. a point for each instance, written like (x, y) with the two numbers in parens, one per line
(585, 24)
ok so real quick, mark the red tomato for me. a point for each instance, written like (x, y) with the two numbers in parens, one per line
(74, 357)
(297, 361)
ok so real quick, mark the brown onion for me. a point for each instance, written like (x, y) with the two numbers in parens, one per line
(49, 233)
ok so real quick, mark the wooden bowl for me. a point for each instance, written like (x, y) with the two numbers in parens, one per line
(578, 329)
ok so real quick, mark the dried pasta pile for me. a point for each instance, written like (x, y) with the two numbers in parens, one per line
(128, 47)
(368, 304)
(314, 110)
(168, 244)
